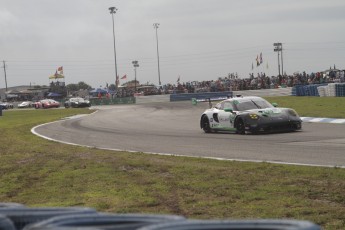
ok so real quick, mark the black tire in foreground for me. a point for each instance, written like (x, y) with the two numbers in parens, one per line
(6, 224)
(235, 224)
(104, 221)
(22, 216)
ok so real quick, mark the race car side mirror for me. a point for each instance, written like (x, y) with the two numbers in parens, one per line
(228, 110)
(275, 104)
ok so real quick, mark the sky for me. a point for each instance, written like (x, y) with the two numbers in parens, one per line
(197, 39)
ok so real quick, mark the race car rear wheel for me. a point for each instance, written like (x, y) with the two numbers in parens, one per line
(240, 128)
(206, 125)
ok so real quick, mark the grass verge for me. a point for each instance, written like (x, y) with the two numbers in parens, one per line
(330, 107)
(37, 172)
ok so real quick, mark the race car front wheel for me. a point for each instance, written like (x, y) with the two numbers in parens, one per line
(206, 125)
(240, 128)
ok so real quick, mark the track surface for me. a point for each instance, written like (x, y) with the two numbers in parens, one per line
(173, 128)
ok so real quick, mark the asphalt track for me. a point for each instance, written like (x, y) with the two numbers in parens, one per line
(173, 128)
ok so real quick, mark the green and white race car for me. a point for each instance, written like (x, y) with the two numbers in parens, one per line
(249, 114)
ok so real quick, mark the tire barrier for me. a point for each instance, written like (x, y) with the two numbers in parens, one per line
(104, 220)
(14, 216)
(22, 216)
(306, 90)
(320, 90)
(335, 90)
(235, 224)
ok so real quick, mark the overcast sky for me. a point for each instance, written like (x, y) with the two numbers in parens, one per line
(198, 39)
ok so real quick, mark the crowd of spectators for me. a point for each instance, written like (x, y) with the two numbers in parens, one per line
(260, 81)
(235, 83)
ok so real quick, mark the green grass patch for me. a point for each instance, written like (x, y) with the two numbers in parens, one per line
(330, 107)
(38, 172)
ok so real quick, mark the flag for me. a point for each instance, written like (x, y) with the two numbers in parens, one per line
(178, 79)
(257, 60)
(260, 58)
(124, 77)
(60, 69)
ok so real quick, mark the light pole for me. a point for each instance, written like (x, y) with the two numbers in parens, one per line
(278, 47)
(156, 25)
(135, 64)
(5, 74)
(112, 12)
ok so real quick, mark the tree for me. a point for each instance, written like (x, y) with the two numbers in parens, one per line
(76, 87)
(112, 87)
(72, 87)
(83, 85)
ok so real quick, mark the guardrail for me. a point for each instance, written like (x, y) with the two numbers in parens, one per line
(200, 96)
(113, 101)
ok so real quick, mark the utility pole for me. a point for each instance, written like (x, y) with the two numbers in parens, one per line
(5, 74)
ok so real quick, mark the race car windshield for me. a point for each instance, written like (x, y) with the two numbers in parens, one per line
(253, 104)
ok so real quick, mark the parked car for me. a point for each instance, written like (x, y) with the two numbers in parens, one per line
(46, 104)
(249, 114)
(6, 105)
(25, 104)
(77, 102)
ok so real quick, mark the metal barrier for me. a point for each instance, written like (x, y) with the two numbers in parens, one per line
(200, 96)
(113, 101)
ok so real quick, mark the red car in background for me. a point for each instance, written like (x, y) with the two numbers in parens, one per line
(46, 104)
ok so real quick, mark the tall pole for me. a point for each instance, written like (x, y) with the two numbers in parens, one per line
(112, 12)
(156, 25)
(278, 47)
(5, 75)
(135, 80)
(135, 64)
(278, 63)
(281, 57)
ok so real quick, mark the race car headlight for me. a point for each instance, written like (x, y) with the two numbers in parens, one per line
(292, 112)
(253, 116)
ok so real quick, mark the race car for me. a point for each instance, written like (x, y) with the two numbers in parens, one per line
(25, 104)
(46, 104)
(6, 105)
(77, 102)
(249, 115)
